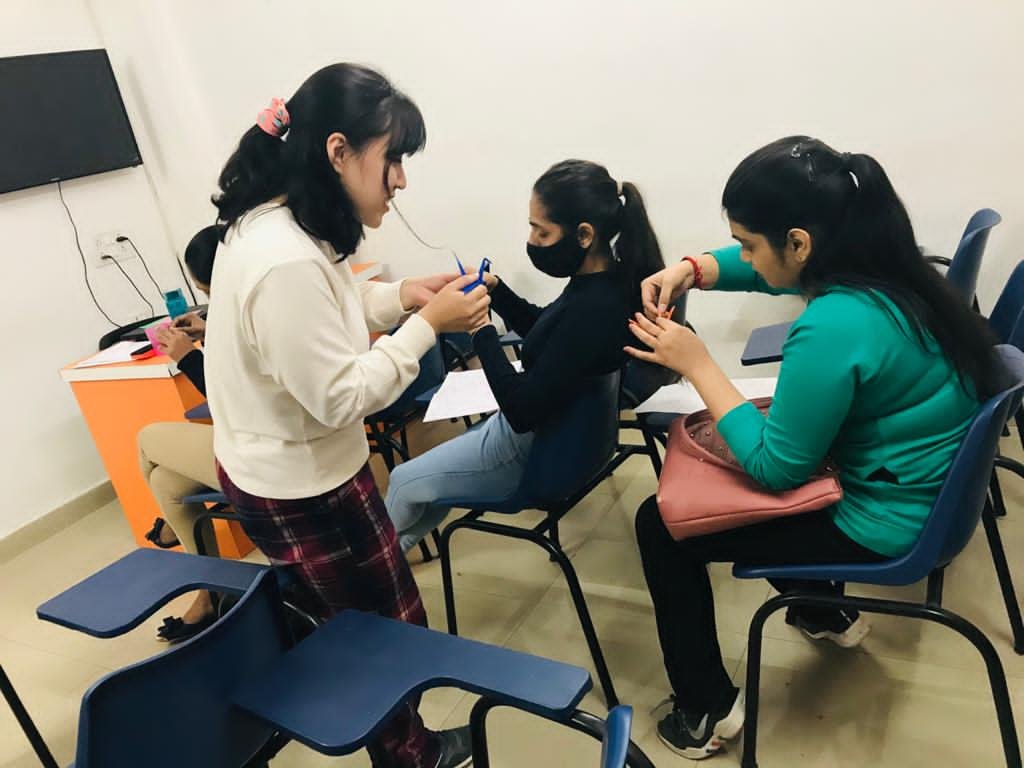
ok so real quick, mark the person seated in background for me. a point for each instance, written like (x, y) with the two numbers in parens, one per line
(883, 372)
(177, 457)
(576, 210)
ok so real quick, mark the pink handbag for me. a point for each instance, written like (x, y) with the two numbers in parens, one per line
(703, 489)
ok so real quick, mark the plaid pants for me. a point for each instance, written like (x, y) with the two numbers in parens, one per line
(344, 548)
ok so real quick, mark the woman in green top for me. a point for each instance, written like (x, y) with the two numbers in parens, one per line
(883, 371)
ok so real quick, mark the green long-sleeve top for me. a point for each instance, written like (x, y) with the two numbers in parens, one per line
(855, 384)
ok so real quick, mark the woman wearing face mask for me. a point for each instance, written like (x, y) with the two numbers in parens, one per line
(576, 210)
(883, 372)
(290, 373)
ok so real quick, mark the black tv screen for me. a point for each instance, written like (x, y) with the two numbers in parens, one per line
(61, 117)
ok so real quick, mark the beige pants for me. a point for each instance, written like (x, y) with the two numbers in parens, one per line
(177, 460)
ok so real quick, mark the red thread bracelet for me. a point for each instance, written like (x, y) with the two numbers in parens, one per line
(698, 275)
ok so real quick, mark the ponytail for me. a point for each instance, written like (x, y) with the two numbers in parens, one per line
(862, 238)
(341, 98)
(254, 174)
(637, 248)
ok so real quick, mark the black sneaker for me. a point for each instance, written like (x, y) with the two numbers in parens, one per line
(705, 737)
(845, 627)
(456, 748)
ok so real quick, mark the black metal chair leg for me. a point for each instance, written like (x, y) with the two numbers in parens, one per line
(754, 679)
(994, 667)
(425, 551)
(1018, 419)
(444, 552)
(575, 590)
(25, 721)
(583, 612)
(652, 451)
(553, 535)
(996, 494)
(995, 545)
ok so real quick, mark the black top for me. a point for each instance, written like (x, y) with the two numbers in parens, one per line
(192, 366)
(580, 334)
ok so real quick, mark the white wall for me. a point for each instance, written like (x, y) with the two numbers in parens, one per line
(48, 320)
(668, 94)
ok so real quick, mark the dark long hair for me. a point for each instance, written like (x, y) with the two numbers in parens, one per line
(342, 98)
(578, 191)
(862, 238)
(200, 251)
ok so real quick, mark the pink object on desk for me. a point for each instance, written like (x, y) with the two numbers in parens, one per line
(151, 332)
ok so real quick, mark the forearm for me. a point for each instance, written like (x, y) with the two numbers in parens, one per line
(519, 314)
(715, 388)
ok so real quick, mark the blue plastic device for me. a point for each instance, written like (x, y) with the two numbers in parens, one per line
(485, 266)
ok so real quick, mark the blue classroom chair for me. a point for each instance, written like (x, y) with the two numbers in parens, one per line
(964, 267)
(952, 522)
(568, 459)
(236, 693)
(616, 737)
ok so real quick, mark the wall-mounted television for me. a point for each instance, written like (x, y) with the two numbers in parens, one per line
(61, 117)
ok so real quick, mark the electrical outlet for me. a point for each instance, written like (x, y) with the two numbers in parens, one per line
(107, 245)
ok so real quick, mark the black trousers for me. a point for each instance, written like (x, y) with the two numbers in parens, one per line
(684, 607)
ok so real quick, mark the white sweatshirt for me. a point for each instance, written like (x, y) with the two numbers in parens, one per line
(289, 369)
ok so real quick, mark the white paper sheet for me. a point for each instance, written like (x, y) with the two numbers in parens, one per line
(463, 393)
(118, 353)
(683, 398)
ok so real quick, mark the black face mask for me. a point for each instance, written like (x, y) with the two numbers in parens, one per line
(561, 259)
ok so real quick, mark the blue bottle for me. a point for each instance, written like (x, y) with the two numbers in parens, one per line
(176, 304)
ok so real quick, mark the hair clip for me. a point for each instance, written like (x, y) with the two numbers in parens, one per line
(274, 120)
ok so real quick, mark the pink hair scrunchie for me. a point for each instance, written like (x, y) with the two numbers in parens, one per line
(274, 120)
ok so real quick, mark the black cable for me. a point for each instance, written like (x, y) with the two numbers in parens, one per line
(117, 264)
(85, 267)
(145, 266)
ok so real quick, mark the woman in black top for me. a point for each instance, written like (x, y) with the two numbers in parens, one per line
(576, 212)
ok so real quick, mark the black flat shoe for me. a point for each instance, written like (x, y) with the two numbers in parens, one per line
(174, 630)
(153, 535)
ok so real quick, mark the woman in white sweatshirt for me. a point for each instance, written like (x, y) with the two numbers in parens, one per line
(290, 373)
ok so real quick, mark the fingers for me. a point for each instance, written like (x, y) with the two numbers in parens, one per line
(642, 334)
(461, 282)
(641, 354)
(664, 297)
(647, 325)
(665, 322)
(649, 296)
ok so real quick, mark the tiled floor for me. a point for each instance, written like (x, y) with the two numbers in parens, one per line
(912, 695)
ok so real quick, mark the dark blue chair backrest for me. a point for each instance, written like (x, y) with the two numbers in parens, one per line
(174, 709)
(955, 514)
(966, 262)
(571, 450)
(1007, 310)
(641, 379)
(615, 746)
(432, 373)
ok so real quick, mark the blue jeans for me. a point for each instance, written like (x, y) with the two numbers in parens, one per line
(486, 462)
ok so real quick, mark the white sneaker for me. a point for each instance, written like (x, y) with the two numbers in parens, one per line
(846, 630)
